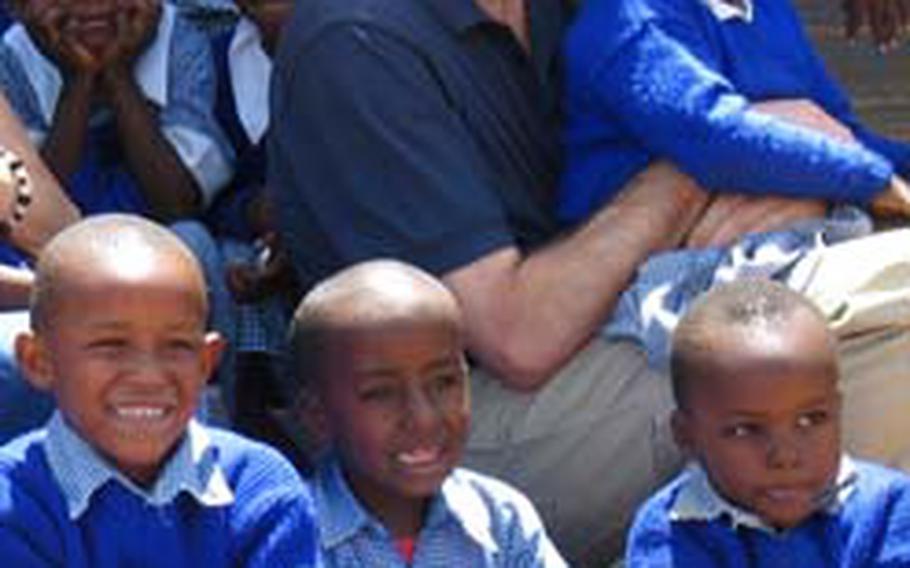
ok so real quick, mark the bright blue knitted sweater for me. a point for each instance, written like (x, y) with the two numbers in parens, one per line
(870, 530)
(649, 79)
(269, 524)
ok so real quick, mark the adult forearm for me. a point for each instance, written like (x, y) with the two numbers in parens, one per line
(166, 184)
(50, 209)
(527, 316)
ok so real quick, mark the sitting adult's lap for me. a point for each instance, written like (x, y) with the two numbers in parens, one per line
(595, 441)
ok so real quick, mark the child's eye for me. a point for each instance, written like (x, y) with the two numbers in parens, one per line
(446, 381)
(107, 346)
(378, 394)
(813, 418)
(181, 345)
(742, 430)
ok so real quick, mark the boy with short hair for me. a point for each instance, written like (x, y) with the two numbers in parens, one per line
(122, 475)
(755, 376)
(380, 348)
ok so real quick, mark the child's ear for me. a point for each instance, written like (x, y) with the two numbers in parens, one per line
(681, 424)
(34, 360)
(212, 348)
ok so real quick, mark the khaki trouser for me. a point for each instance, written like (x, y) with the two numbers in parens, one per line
(595, 441)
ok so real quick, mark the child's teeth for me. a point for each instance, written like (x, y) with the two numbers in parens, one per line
(140, 412)
(417, 456)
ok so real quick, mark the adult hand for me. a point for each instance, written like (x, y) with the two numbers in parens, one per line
(894, 201)
(886, 19)
(730, 216)
(804, 112)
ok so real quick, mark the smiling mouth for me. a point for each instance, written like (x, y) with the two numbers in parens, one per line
(143, 415)
(140, 412)
(430, 460)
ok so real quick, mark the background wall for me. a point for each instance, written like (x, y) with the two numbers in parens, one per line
(879, 85)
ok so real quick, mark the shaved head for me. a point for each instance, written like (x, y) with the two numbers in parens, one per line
(746, 315)
(125, 246)
(365, 296)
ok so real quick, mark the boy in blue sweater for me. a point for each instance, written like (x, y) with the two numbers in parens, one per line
(380, 347)
(755, 375)
(123, 475)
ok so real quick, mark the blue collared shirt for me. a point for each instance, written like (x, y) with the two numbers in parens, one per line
(864, 520)
(697, 499)
(474, 521)
(80, 471)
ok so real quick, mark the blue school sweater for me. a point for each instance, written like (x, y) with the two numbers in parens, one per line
(871, 528)
(269, 524)
(670, 79)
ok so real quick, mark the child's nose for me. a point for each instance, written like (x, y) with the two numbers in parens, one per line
(422, 411)
(143, 365)
(783, 453)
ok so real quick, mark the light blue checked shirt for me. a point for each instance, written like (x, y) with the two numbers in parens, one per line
(80, 471)
(668, 283)
(474, 521)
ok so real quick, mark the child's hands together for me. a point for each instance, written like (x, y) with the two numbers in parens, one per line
(136, 26)
(56, 34)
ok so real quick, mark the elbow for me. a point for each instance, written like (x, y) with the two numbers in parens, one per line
(521, 367)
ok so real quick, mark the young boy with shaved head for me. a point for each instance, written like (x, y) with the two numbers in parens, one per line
(755, 375)
(378, 348)
(122, 475)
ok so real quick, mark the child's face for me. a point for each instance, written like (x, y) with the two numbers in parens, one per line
(92, 23)
(395, 399)
(763, 420)
(126, 356)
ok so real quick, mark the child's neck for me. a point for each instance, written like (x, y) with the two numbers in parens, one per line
(402, 517)
(403, 520)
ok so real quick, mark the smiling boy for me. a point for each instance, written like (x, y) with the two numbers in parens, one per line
(755, 375)
(379, 347)
(123, 475)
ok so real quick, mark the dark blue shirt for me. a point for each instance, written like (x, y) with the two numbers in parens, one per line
(413, 129)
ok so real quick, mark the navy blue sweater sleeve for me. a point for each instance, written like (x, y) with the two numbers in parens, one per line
(678, 105)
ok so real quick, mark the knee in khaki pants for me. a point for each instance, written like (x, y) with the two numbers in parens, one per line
(863, 286)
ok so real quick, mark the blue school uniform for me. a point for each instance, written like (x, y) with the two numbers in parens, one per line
(244, 70)
(175, 73)
(242, 107)
(474, 521)
(220, 500)
(866, 522)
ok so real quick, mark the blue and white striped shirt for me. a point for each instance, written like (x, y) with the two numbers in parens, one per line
(474, 521)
